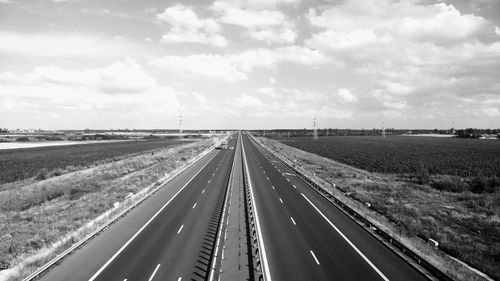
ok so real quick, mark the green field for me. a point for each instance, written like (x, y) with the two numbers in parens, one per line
(404, 154)
(19, 164)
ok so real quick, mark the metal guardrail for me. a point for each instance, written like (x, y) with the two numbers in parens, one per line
(75, 246)
(256, 264)
(366, 223)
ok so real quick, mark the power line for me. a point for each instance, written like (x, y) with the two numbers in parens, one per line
(180, 125)
(315, 130)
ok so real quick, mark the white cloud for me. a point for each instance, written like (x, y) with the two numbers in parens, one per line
(302, 55)
(63, 45)
(354, 22)
(268, 91)
(247, 101)
(234, 67)
(492, 112)
(395, 105)
(100, 98)
(118, 78)
(338, 40)
(270, 26)
(284, 35)
(5, 2)
(187, 27)
(215, 66)
(254, 4)
(345, 96)
(252, 18)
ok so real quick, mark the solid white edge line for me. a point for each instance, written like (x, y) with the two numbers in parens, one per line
(180, 229)
(267, 273)
(225, 210)
(314, 256)
(347, 240)
(154, 272)
(147, 223)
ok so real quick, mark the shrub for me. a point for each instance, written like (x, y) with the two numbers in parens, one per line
(4, 264)
(42, 174)
(449, 183)
(492, 183)
(478, 184)
(422, 175)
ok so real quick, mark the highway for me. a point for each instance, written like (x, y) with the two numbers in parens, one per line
(170, 236)
(307, 238)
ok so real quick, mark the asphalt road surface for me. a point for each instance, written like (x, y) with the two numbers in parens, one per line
(168, 237)
(305, 237)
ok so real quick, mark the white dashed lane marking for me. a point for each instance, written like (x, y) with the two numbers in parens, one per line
(154, 272)
(314, 256)
(180, 229)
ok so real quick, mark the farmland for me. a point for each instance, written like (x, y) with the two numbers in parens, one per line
(42, 162)
(406, 155)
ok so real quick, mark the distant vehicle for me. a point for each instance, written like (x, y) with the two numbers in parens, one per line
(222, 145)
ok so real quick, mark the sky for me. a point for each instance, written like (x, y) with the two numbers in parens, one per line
(254, 64)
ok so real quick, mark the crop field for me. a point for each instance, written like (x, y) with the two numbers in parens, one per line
(404, 154)
(19, 164)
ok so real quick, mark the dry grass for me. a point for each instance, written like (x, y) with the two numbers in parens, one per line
(36, 217)
(466, 225)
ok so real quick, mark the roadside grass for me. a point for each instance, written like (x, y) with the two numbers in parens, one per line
(466, 225)
(39, 220)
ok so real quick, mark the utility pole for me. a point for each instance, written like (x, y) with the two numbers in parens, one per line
(315, 130)
(180, 125)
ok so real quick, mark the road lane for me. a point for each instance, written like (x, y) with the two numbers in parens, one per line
(159, 242)
(181, 238)
(347, 254)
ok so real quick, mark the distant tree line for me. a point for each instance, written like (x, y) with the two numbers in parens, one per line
(462, 133)
(473, 133)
